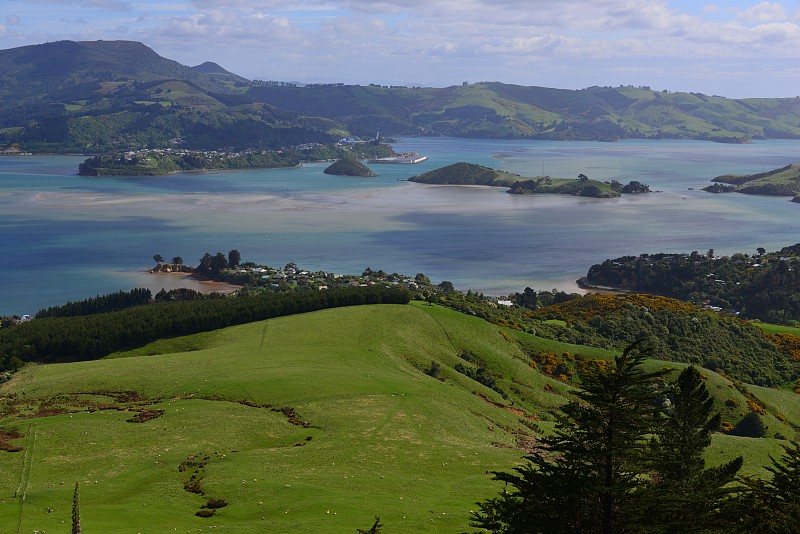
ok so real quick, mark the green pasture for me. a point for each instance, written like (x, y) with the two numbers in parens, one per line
(384, 438)
(310, 423)
(777, 328)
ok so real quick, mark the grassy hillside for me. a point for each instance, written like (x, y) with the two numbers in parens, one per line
(386, 439)
(311, 423)
(472, 174)
(467, 174)
(95, 96)
(62, 96)
(497, 110)
(780, 182)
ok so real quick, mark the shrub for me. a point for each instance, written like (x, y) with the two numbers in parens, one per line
(434, 369)
(215, 503)
(751, 426)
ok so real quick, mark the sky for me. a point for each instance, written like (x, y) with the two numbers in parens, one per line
(732, 48)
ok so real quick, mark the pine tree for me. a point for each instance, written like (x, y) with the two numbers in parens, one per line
(684, 495)
(687, 431)
(583, 479)
(76, 512)
(234, 258)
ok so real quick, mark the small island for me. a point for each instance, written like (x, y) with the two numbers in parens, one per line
(473, 174)
(783, 182)
(349, 167)
(160, 162)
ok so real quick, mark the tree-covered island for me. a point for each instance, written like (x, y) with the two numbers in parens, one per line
(473, 174)
(349, 167)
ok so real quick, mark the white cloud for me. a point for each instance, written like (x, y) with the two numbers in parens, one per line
(763, 12)
(101, 4)
(443, 41)
(227, 25)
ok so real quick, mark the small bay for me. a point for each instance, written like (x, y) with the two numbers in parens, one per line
(67, 237)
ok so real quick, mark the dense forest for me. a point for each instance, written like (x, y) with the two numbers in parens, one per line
(99, 304)
(765, 286)
(683, 332)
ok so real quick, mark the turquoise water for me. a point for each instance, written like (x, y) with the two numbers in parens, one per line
(65, 237)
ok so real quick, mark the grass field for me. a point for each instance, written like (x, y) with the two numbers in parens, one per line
(385, 439)
(309, 423)
(777, 328)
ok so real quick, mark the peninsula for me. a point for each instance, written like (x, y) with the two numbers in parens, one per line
(783, 182)
(472, 174)
(163, 161)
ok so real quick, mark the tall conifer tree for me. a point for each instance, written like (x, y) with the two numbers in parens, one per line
(76, 512)
(684, 496)
(583, 478)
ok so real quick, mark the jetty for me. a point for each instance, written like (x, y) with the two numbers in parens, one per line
(403, 159)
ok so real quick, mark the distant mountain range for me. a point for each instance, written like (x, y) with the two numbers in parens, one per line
(102, 95)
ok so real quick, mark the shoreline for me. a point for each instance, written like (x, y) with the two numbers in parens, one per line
(198, 284)
(600, 290)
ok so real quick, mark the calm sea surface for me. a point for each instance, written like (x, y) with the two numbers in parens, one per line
(66, 237)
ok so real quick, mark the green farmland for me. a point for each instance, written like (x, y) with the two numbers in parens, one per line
(310, 423)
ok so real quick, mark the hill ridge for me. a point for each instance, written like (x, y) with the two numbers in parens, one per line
(55, 85)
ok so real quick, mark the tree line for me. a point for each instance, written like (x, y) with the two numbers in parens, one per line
(99, 304)
(87, 337)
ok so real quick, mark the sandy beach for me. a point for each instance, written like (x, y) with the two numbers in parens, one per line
(170, 281)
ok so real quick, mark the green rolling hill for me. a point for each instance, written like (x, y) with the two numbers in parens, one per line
(314, 422)
(95, 96)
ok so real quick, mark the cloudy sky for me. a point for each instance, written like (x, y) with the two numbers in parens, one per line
(734, 48)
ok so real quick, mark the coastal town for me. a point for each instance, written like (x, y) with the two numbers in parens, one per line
(254, 278)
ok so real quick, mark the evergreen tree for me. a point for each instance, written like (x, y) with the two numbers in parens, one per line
(684, 495)
(205, 263)
(751, 426)
(234, 258)
(218, 262)
(687, 430)
(583, 479)
(76, 512)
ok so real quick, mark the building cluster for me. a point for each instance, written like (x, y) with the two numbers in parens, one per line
(292, 275)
